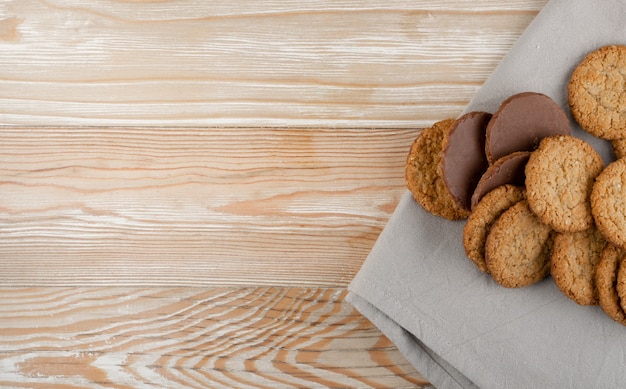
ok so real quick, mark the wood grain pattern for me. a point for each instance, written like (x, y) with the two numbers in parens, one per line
(192, 338)
(272, 63)
(154, 152)
(141, 206)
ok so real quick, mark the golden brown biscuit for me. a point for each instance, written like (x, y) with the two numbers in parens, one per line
(608, 202)
(517, 250)
(423, 173)
(607, 271)
(575, 256)
(597, 92)
(619, 147)
(485, 213)
(559, 179)
(621, 279)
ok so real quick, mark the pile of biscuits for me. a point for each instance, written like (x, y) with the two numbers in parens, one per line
(538, 201)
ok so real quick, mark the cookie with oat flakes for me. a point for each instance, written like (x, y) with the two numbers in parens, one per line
(559, 177)
(423, 173)
(597, 92)
(619, 147)
(518, 247)
(608, 202)
(484, 214)
(611, 261)
(575, 256)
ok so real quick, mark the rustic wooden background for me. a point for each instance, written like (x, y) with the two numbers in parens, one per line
(188, 187)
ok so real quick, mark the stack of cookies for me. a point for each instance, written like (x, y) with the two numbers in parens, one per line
(538, 201)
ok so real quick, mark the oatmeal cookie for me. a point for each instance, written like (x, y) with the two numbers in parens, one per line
(619, 147)
(518, 247)
(597, 92)
(423, 176)
(482, 218)
(559, 178)
(608, 202)
(575, 256)
(607, 270)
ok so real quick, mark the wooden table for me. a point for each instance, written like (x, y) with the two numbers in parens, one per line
(187, 188)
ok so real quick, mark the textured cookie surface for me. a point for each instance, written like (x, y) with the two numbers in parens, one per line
(575, 256)
(621, 283)
(463, 159)
(521, 121)
(423, 173)
(606, 282)
(597, 92)
(559, 179)
(608, 202)
(485, 213)
(619, 147)
(518, 247)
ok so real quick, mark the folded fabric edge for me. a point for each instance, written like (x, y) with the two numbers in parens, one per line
(428, 363)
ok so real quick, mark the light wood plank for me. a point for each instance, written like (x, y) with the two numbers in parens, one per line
(193, 206)
(271, 63)
(191, 338)
(232, 204)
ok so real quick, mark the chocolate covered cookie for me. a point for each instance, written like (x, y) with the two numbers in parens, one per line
(597, 92)
(423, 173)
(559, 177)
(463, 158)
(506, 170)
(521, 122)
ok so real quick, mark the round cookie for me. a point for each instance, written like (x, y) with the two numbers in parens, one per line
(463, 159)
(484, 214)
(597, 92)
(575, 256)
(517, 250)
(608, 202)
(506, 170)
(619, 147)
(606, 282)
(520, 123)
(423, 175)
(620, 285)
(559, 179)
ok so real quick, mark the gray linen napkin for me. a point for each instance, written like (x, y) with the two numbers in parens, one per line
(452, 322)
